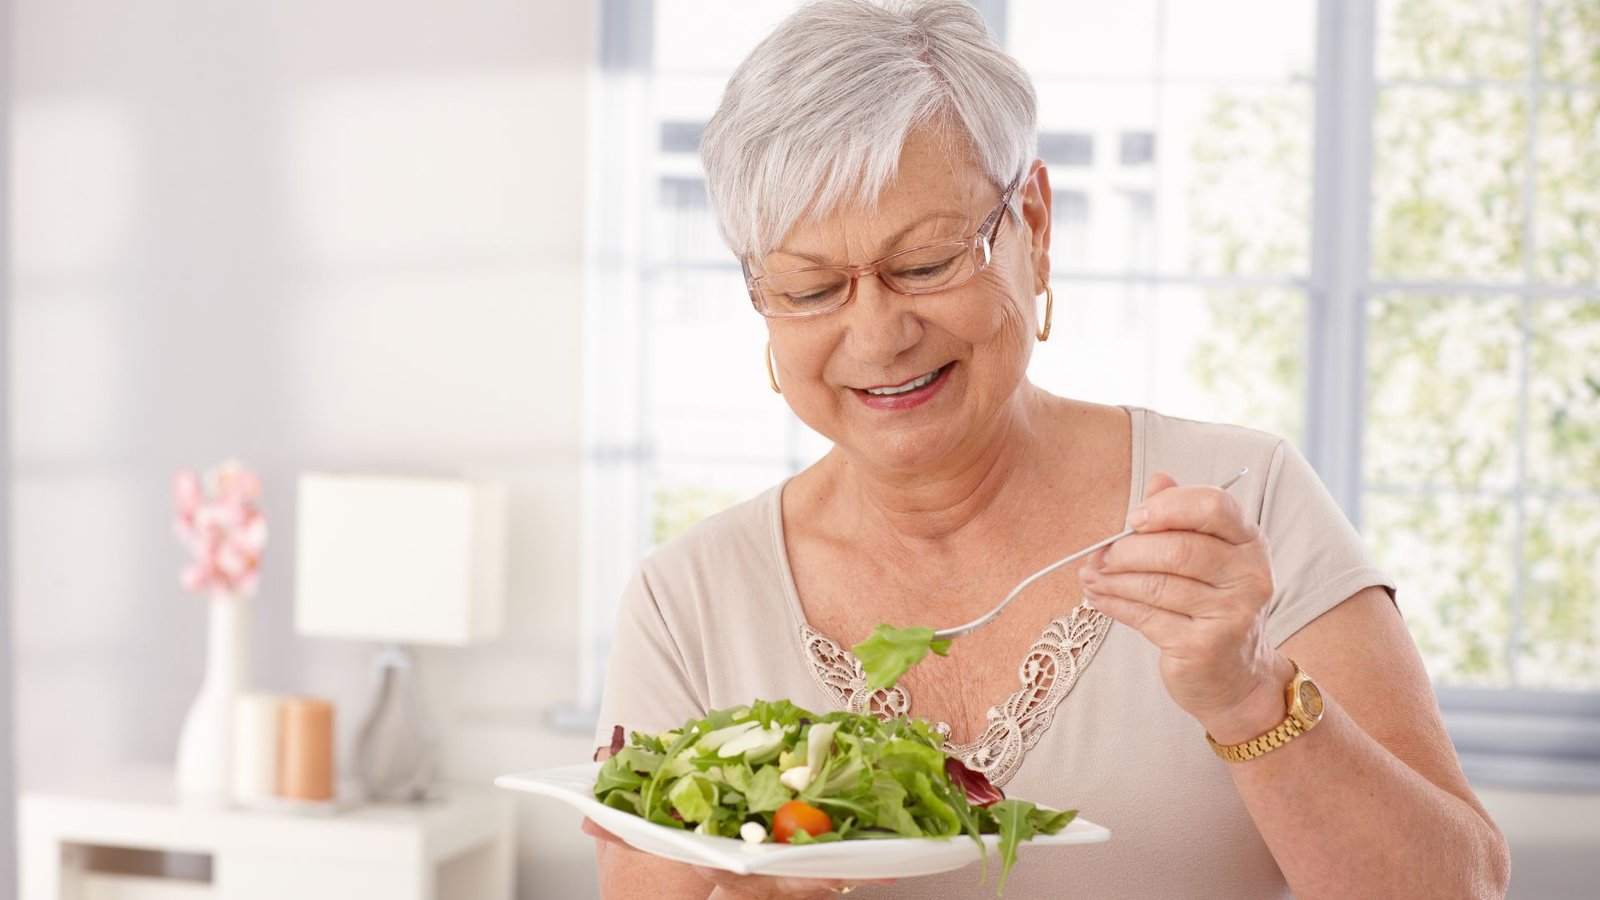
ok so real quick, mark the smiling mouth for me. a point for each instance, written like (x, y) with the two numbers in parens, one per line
(909, 386)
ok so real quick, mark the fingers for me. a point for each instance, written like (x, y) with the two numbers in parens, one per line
(1169, 506)
(1200, 557)
(1194, 575)
(1195, 560)
(595, 831)
(1161, 627)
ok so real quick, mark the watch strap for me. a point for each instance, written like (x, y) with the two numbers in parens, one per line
(1297, 722)
(1286, 731)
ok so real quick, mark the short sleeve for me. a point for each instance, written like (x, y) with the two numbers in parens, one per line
(1318, 559)
(647, 686)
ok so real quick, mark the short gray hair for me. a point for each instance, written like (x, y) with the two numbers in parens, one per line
(819, 110)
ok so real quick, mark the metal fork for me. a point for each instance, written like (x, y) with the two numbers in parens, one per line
(945, 634)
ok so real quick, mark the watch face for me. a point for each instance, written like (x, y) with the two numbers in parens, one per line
(1310, 699)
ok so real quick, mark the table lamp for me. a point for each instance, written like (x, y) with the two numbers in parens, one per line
(400, 562)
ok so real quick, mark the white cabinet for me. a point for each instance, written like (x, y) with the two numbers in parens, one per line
(456, 848)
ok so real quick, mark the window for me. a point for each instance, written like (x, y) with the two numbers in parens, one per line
(1066, 148)
(1138, 148)
(1368, 225)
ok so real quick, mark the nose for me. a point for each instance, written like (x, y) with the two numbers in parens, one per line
(881, 324)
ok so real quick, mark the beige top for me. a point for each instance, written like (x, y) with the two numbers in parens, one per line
(712, 620)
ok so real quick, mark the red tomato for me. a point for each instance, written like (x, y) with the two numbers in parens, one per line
(797, 815)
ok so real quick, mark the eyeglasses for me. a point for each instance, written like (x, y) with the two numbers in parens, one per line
(927, 269)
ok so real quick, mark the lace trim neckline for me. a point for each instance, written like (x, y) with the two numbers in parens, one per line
(1047, 674)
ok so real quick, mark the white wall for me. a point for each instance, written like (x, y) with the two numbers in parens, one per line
(309, 234)
(1555, 842)
(8, 844)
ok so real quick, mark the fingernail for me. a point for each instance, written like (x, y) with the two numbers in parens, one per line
(1140, 516)
(1088, 575)
(1100, 557)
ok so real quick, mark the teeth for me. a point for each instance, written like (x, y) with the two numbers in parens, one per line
(903, 388)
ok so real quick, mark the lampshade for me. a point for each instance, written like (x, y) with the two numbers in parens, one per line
(399, 560)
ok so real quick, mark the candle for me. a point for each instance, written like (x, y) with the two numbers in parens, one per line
(305, 758)
(255, 747)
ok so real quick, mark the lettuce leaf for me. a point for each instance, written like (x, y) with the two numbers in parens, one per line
(891, 652)
(766, 793)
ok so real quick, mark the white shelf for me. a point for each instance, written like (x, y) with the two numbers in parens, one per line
(458, 847)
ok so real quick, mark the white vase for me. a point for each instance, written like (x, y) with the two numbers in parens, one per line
(205, 746)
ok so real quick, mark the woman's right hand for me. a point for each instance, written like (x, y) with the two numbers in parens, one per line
(749, 887)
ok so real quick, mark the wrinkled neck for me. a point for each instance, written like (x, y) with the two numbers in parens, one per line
(981, 484)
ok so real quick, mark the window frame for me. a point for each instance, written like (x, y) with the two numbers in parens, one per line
(1511, 736)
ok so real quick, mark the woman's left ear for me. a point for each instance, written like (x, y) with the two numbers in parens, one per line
(1036, 213)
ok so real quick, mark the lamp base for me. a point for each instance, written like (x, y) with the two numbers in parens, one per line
(394, 758)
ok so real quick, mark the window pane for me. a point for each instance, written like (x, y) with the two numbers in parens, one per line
(1138, 148)
(1069, 230)
(1240, 38)
(703, 378)
(1447, 184)
(685, 231)
(1564, 397)
(1083, 37)
(1222, 355)
(1570, 32)
(1429, 361)
(1451, 556)
(681, 137)
(1560, 616)
(1567, 198)
(1453, 39)
(1239, 186)
(712, 34)
(1190, 179)
(1066, 149)
(1080, 132)
(682, 493)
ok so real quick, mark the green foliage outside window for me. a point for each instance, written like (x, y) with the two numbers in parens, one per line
(1482, 450)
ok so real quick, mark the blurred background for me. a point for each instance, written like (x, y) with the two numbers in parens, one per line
(472, 239)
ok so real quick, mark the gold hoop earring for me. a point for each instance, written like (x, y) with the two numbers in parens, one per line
(772, 377)
(1049, 310)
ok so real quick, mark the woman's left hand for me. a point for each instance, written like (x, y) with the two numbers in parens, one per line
(1195, 579)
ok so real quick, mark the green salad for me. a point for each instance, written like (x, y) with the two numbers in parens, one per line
(772, 771)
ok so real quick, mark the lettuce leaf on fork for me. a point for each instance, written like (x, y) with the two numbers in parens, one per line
(891, 652)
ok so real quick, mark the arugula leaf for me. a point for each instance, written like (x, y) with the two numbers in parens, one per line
(1014, 817)
(891, 652)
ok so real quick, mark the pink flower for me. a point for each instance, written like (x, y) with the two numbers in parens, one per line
(218, 521)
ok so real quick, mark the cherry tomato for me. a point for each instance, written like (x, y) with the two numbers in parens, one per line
(797, 815)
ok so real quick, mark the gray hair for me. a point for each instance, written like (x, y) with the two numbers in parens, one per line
(818, 112)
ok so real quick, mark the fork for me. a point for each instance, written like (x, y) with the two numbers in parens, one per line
(945, 634)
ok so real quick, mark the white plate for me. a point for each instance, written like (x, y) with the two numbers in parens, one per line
(886, 858)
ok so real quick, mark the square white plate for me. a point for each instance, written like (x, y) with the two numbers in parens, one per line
(885, 858)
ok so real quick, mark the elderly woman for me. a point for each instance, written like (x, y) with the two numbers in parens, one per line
(873, 170)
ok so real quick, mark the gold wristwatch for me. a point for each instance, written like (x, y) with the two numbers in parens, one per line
(1305, 711)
